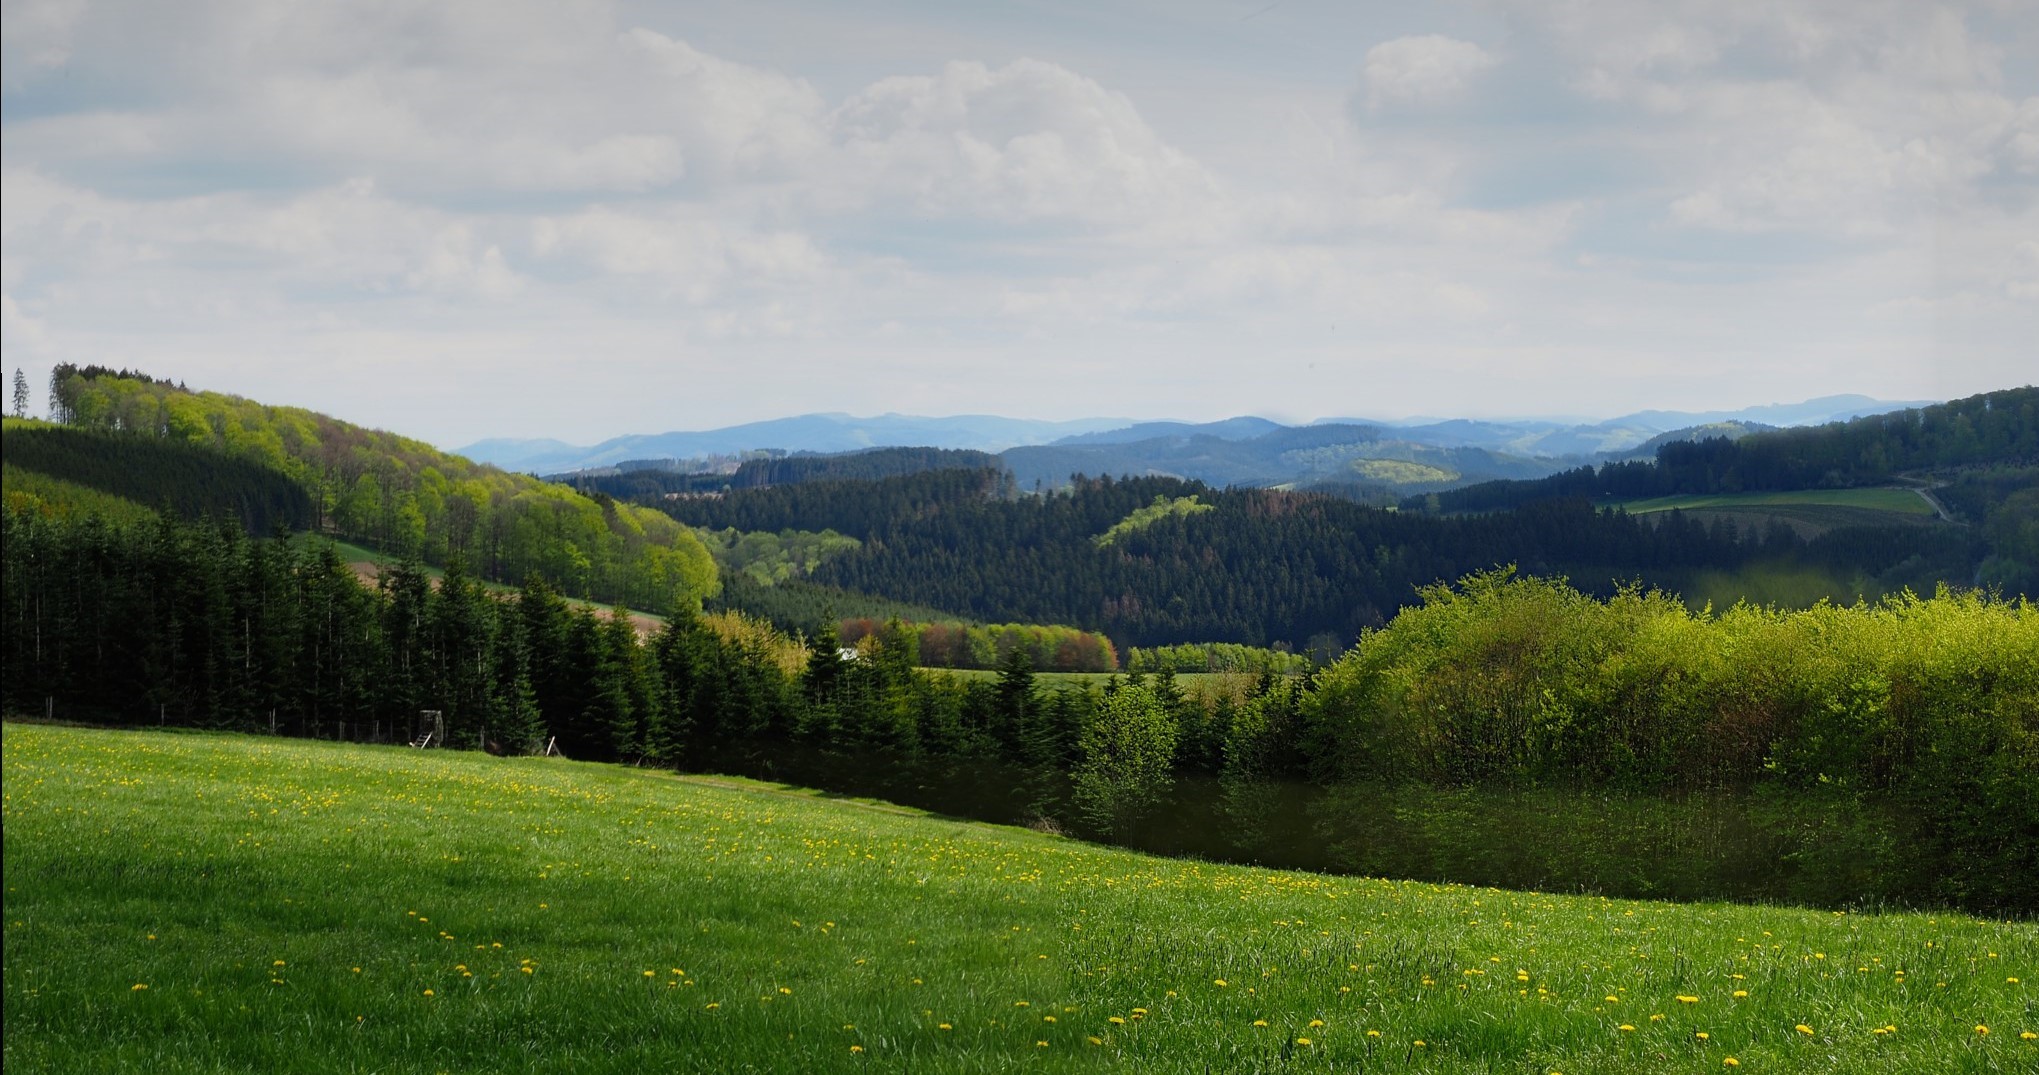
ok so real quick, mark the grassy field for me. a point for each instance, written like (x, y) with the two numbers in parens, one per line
(196, 903)
(1900, 501)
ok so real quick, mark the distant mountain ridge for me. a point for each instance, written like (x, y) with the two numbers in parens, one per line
(831, 432)
(1228, 451)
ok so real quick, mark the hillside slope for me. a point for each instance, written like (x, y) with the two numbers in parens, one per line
(188, 903)
(407, 497)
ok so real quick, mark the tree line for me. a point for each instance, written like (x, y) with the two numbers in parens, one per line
(1910, 726)
(192, 480)
(1260, 566)
(1991, 429)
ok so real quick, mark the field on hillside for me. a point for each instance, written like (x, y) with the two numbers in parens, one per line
(187, 903)
(1900, 501)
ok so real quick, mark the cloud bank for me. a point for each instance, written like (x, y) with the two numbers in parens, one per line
(584, 218)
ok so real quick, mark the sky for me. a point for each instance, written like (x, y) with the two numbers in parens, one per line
(584, 218)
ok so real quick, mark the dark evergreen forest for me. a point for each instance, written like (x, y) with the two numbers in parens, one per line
(1994, 429)
(1263, 567)
(1887, 752)
(193, 481)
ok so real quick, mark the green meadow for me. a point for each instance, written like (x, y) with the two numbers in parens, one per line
(1900, 501)
(200, 903)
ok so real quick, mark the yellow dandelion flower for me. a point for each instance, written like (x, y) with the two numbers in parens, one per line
(856, 1048)
(714, 1005)
(138, 986)
(1117, 1020)
(1022, 1004)
(1047, 1019)
(1702, 1035)
(1682, 999)
(1611, 999)
(1626, 1028)
(1373, 1033)
(945, 1026)
(1730, 1062)
(1981, 1029)
(1260, 1022)
(1302, 1041)
(1657, 1018)
(1740, 993)
(1418, 1043)
(1094, 1040)
(1041, 1044)
(1316, 1022)
(428, 992)
(2025, 1036)
(1219, 982)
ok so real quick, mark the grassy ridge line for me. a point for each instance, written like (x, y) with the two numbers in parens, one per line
(1900, 501)
(305, 906)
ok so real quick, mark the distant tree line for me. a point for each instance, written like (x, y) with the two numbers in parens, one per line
(985, 646)
(1994, 428)
(872, 464)
(1261, 566)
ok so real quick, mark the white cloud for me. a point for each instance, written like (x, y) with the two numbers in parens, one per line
(733, 215)
(1027, 141)
(1426, 68)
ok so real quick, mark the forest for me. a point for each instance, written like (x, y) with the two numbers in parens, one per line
(1260, 567)
(403, 495)
(1994, 429)
(1885, 751)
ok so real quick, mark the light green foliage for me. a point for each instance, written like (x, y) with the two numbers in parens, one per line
(768, 558)
(54, 496)
(1924, 711)
(1126, 758)
(1215, 657)
(409, 498)
(288, 905)
(1141, 518)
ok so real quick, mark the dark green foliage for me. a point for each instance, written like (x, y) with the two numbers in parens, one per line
(857, 508)
(801, 607)
(191, 480)
(1885, 751)
(1994, 428)
(1261, 567)
(648, 483)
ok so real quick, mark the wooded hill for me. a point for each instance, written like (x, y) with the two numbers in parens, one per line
(1261, 566)
(1978, 456)
(1992, 429)
(403, 495)
(194, 481)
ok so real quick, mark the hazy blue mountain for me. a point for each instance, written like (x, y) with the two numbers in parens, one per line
(1732, 430)
(1241, 428)
(1199, 450)
(805, 433)
(1811, 412)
